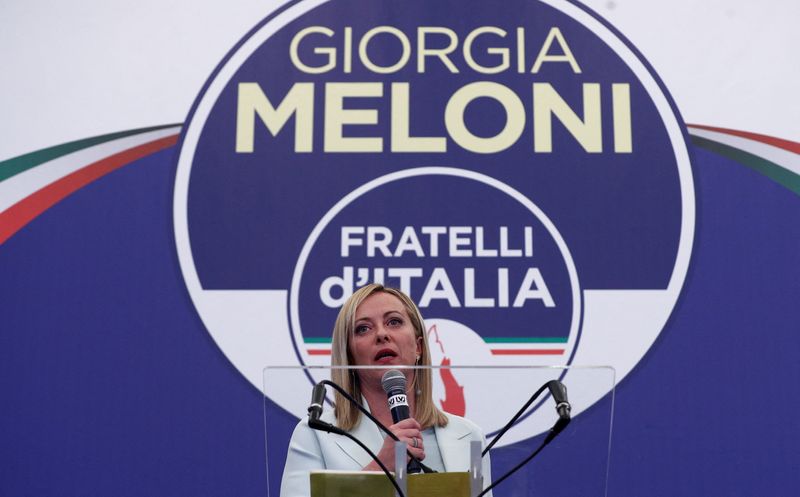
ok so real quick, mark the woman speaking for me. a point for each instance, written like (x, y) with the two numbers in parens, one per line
(379, 326)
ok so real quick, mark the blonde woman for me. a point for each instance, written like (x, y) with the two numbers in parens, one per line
(379, 326)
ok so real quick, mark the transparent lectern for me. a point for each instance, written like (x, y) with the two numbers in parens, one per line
(480, 400)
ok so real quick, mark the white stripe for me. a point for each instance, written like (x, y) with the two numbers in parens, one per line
(784, 158)
(34, 179)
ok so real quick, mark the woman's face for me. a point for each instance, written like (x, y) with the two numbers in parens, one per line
(383, 334)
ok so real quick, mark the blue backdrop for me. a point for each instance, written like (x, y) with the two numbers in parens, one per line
(112, 386)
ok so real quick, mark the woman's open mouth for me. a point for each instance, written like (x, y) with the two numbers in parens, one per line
(384, 356)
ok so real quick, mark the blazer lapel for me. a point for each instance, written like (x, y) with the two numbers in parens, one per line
(453, 447)
(369, 434)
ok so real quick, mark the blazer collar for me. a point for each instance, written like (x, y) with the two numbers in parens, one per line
(455, 453)
(369, 434)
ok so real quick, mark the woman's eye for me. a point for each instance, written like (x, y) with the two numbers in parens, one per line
(395, 322)
(361, 329)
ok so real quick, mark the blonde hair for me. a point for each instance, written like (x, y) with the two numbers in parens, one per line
(347, 416)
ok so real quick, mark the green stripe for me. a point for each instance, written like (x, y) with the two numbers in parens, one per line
(316, 340)
(16, 165)
(525, 339)
(775, 172)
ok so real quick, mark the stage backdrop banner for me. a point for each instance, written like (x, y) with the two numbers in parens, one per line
(520, 170)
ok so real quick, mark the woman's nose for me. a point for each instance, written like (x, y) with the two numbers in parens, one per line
(381, 335)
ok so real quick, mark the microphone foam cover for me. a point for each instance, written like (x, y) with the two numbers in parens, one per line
(393, 380)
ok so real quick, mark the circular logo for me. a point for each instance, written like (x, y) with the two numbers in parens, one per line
(519, 172)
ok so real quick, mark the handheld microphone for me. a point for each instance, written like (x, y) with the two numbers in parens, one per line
(394, 384)
(321, 425)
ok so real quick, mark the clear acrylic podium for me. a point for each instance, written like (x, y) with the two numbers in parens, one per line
(575, 463)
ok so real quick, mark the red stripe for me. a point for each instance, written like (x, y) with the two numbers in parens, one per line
(527, 351)
(26, 210)
(318, 352)
(769, 140)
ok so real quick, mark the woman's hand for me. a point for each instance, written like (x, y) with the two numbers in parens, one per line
(407, 431)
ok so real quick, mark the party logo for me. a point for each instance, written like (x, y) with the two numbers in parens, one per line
(519, 171)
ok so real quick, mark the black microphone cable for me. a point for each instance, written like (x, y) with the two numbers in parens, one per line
(380, 425)
(327, 427)
(559, 393)
(314, 412)
(562, 406)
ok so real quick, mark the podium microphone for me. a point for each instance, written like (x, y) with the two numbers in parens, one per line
(559, 393)
(317, 399)
(394, 384)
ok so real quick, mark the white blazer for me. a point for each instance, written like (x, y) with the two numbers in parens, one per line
(311, 449)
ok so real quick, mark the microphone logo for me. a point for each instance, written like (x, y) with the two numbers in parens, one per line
(398, 400)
